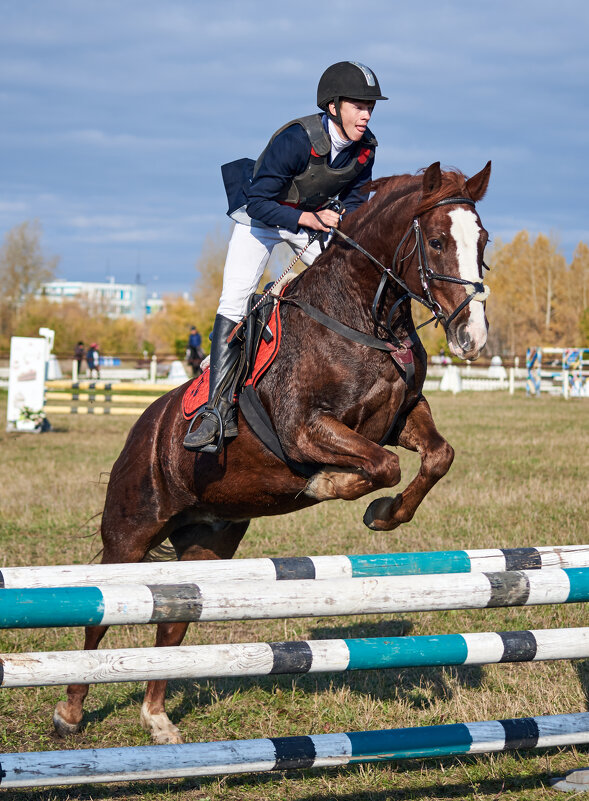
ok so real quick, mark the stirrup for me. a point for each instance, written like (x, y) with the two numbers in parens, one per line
(212, 447)
(218, 447)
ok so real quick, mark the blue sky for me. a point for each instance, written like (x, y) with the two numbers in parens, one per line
(116, 115)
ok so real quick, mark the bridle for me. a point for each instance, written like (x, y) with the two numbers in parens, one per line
(396, 346)
(476, 289)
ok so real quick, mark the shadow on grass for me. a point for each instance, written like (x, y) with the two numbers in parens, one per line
(420, 687)
(582, 668)
(252, 783)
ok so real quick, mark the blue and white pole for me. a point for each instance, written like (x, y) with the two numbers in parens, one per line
(45, 768)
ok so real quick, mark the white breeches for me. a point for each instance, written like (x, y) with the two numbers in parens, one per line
(248, 253)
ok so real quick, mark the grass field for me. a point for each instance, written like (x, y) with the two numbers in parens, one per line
(519, 479)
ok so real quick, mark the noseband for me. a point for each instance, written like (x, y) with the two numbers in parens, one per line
(476, 289)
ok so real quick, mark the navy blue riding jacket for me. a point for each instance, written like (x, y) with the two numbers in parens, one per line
(286, 157)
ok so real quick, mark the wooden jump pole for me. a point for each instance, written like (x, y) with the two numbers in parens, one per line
(47, 768)
(310, 656)
(247, 600)
(304, 567)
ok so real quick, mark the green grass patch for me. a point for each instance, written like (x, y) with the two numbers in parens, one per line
(519, 479)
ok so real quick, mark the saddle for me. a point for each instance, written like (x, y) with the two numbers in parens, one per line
(260, 340)
(260, 344)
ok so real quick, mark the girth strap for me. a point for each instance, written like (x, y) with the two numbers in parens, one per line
(258, 420)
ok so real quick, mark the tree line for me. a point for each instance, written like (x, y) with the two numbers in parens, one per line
(537, 299)
(24, 268)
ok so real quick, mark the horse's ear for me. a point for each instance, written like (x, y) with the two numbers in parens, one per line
(477, 185)
(432, 179)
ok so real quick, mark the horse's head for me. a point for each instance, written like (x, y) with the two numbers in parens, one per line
(450, 245)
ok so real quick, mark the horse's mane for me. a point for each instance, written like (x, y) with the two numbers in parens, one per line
(389, 190)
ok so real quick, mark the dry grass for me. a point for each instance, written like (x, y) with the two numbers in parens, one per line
(519, 479)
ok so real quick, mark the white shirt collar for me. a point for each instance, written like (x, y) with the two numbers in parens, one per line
(338, 143)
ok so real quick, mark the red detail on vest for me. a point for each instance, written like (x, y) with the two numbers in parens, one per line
(365, 154)
(292, 205)
(315, 153)
(197, 393)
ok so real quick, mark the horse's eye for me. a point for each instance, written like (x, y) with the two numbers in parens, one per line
(435, 244)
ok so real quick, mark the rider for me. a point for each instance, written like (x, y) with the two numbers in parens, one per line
(282, 198)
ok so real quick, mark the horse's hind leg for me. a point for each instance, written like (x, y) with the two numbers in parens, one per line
(418, 434)
(196, 542)
(67, 716)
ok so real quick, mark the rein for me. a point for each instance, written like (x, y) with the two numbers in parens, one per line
(399, 350)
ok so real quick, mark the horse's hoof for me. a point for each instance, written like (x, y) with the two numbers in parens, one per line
(62, 727)
(161, 728)
(170, 737)
(380, 514)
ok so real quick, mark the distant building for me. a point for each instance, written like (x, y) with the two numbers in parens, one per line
(154, 304)
(115, 300)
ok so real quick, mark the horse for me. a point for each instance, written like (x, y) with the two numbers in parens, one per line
(346, 381)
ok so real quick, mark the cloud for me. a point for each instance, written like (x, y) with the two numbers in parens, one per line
(113, 140)
(16, 207)
(137, 235)
(144, 227)
(116, 116)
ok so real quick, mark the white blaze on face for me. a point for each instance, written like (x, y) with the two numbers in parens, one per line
(465, 231)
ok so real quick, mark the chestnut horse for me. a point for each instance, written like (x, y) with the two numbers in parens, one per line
(331, 397)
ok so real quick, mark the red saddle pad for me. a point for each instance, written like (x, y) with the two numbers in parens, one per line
(198, 391)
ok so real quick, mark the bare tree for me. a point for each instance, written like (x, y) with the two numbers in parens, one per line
(23, 269)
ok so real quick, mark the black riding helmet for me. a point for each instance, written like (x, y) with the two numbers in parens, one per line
(346, 79)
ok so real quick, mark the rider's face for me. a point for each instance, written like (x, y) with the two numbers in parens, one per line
(355, 116)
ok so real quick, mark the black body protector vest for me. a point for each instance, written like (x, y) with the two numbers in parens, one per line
(318, 182)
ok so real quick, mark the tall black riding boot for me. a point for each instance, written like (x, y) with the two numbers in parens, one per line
(208, 437)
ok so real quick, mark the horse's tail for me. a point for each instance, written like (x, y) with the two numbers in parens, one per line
(161, 553)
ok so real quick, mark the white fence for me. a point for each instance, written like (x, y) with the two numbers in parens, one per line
(451, 378)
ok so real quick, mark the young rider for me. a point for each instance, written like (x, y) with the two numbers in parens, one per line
(283, 198)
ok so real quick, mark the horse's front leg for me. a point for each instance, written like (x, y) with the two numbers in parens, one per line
(354, 466)
(418, 434)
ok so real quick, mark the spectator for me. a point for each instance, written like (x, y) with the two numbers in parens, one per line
(195, 352)
(79, 357)
(93, 361)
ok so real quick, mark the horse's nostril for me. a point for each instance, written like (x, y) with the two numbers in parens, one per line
(464, 338)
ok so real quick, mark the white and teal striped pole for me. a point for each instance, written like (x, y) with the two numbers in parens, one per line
(245, 600)
(46, 768)
(272, 658)
(304, 567)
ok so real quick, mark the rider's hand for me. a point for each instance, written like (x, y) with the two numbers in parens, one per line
(327, 219)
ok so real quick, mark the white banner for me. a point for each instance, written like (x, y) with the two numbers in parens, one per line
(26, 381)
